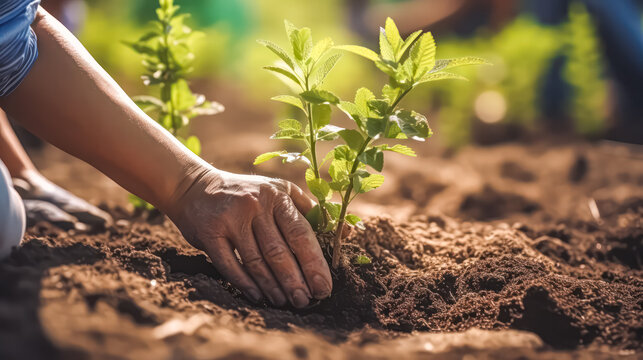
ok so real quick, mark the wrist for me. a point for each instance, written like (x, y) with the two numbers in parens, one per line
(191, 179)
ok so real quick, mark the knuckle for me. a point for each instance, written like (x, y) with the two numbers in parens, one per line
(299, 232)
(253, 262)
(249, 201)
(276, 252)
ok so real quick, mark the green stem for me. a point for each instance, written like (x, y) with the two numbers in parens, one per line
(313, 153)
(346, 199)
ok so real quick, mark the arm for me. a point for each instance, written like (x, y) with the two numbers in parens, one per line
(70, 101)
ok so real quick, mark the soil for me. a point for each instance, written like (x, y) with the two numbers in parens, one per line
(503, 252)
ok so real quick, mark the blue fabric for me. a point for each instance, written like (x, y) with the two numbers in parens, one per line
(18, 48)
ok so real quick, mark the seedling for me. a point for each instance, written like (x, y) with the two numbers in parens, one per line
(407, 62)
(167, 58)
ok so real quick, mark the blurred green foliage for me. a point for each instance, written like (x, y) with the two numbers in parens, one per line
(584, 72)
(168, 59)
(521, 52)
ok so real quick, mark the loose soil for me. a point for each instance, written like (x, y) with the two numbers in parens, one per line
(511, 251)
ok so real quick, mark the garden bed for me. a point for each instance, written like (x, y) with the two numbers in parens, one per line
(542, 244)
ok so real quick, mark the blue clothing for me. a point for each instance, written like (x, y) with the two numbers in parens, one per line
(18, 48)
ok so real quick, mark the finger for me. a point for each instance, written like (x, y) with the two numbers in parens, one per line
(226, 263)
(303, 242)
(281, 260)
(303, 203)
(256, 266)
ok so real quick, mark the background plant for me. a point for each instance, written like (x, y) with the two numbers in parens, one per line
(167, 59)
(584, 72)
(354, 166)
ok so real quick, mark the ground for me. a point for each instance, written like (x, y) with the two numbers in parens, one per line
(531, 250)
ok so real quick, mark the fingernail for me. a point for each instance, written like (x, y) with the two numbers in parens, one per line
(277, 297)
(299, 298)
(254, 295)
(321, 288)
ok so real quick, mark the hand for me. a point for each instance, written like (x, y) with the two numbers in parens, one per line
(46, 201)
(261, 218)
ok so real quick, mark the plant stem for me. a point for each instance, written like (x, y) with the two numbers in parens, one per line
(313, 154)
(346, 199)
(337, 241)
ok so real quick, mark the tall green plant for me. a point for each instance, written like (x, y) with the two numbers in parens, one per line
(167, 59)
(354, 166)
(584, 72)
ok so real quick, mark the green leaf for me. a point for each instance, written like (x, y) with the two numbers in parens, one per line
(289, 99)
(408, 42)
(423, 55)
(290, 28)
(400, 149)
(339, 170)
(343, 152)
(193, 144)
(284, 72)
(361, 260)
(328, 133)
(302, 43)
(290, 124)
(279, 52)
(294, 156)
(353, 138)
(362, 97)
(288, 135)
(333, 209)
(320, 72)
(378, 106)
(393, 35)
(373, 157)
(371, 182)
(320, 48)
(443, 75)
(319, 188)
(318, 96)
(140, 203)
(315, 218)
(388, 67)
(141, 48)
(267, 156)
(182, 97)
(391, 93)
(321, 115)
(148, 36)
(355, 221)
(359, 50)
(375, 127)
(386, 50)
(412, 124)
(147, 103)
(446, 64)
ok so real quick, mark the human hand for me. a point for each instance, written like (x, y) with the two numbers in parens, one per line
(46, 201)
(261, 218)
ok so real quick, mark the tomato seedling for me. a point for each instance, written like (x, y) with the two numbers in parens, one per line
(407, 62)
(167, 59)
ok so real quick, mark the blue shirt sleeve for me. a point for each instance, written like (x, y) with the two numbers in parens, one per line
(18, 48)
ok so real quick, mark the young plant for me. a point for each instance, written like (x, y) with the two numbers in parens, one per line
(304, 70)
(408, 63)
(167, 58)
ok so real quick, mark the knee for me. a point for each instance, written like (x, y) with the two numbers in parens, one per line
(12, 215)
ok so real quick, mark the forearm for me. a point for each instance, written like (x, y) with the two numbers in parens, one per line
(11, 152)
(70, 101)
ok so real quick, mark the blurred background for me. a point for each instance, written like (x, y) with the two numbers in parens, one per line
(563, 67)
(564, 70)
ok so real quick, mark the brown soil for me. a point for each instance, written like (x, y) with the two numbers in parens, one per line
(498, 239)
